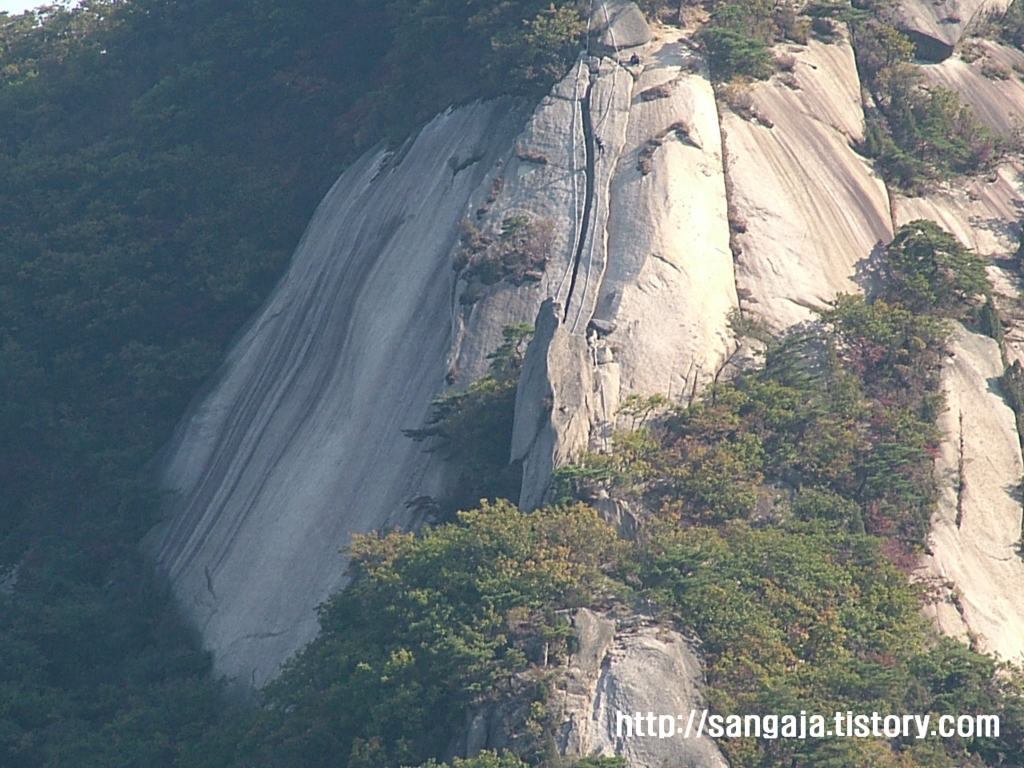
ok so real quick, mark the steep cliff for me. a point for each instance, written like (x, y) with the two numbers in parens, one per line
(666, 208)
(299, 442)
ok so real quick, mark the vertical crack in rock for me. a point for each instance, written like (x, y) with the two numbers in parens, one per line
(588, 202)
(961, 483)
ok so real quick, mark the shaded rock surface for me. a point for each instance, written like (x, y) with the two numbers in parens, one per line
(936, 27)
(299, 443)
(975, 562)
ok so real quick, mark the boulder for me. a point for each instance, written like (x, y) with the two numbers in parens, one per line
(936, 26)
(615, 24)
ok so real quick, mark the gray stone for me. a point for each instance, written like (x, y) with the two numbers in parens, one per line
(935, 27)
(298, 444)
(615, 25)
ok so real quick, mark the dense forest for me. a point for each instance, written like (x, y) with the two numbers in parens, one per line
(160, 159)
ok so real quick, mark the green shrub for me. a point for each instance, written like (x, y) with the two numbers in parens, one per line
(473, 429)
(432, 625)
(930, 272)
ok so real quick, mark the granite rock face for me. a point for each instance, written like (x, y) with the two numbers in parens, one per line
(299, 442)
(807, 210)
(937, 27)
(645, 669)
(668, 210)
(990, 83)
(974, 563)
(616, 670)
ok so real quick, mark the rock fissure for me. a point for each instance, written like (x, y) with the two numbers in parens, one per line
(591, 148)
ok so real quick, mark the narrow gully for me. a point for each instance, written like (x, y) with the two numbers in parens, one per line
(588, 202)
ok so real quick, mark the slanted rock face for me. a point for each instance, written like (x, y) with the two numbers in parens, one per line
(299, 443)
(806, 207)
(554, 404)
(989, 84)
(612, 674)
(936, 28)
(975, 558)
(974, 561)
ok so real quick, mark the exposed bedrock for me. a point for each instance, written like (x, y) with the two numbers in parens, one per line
(628, 661)
(989, 83)
(554, 403)
(936, 26)
(299, 442)
(642, 668)
(974, 562)
(807, 210)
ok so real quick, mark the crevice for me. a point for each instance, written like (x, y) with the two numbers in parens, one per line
(961, 483)
(588, 201)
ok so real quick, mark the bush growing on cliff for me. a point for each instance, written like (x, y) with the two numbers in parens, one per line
(473, 428)
(916, 134)
(518, 253)
(930, 272)
(432, 625)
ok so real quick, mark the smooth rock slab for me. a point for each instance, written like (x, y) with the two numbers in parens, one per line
(936, 26)
(299, 443)
(974, 543)
(811, 208)
(999, 103)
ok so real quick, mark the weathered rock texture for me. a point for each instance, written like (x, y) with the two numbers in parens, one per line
(936, 27)
(806, 208)
(612, 673)
(299, 443)
(553, 403)
(975, 559)
(989, 84)
(617, 24)
(639, 668)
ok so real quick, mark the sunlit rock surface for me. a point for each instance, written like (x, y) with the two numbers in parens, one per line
(975, 561)
(990, 84)
(640, 173)
(807, 209)
(643, 668)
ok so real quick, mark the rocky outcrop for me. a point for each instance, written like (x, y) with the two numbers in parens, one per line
(991, 84)
(937, 27)
(611, 675)
(974, 563)
(553, 404)
(298, 443)
(618, 24)
(806, 209)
